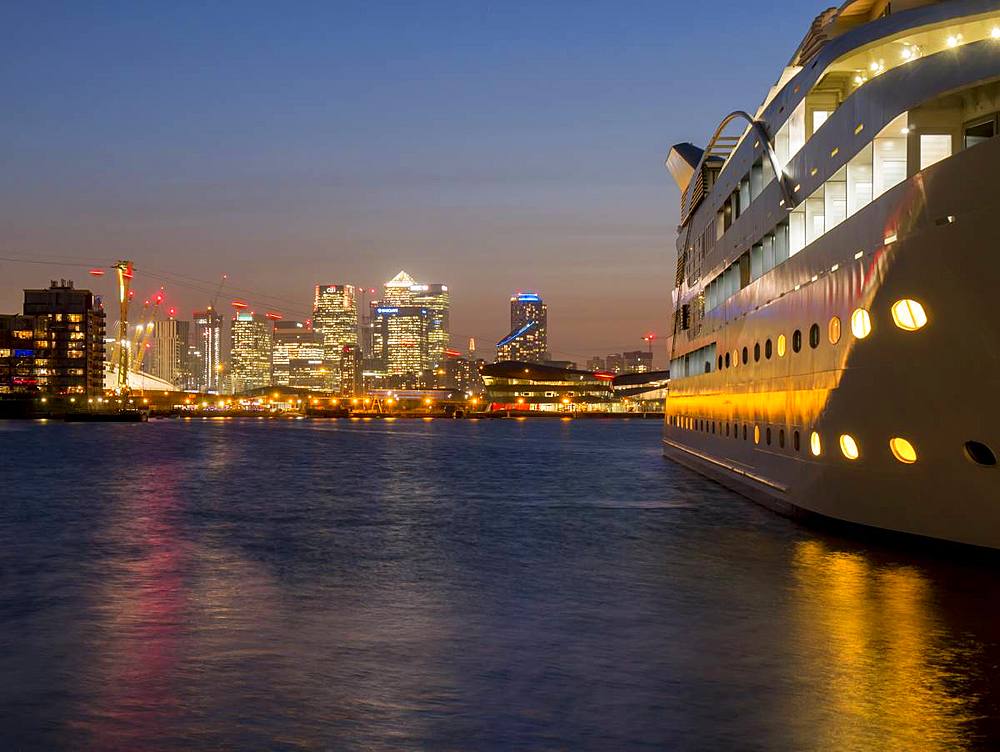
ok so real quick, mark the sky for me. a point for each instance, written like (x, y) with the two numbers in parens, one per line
(494, 147)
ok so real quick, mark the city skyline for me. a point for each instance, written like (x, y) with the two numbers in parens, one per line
(499, 148)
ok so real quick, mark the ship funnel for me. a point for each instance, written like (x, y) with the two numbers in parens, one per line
(682, 161)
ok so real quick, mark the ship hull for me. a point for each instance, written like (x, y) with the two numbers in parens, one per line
(934, 238)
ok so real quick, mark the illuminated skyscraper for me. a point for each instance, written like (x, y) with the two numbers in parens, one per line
(335, 317)
(528, 338)
(297, 356)
(208, 355)
(410, 325)
(250, 358)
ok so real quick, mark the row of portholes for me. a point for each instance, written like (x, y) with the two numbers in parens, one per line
(907, 314)
(902, 449)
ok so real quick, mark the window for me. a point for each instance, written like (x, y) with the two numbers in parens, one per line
(933, 148)
(756, 352)
(781, 438)
(849, 447)
(902, 450)
(815, 444)
(767, 436)
(908, 315)
(720, 362)
(834, 330)
(815, 215)
(727, 360)
(744, 432)
(767, 349)
(889, 163)
(835, 196)
(861, 323)
(796, 443)
(756, 434)
(977, 133)
(981, 454)
(859, 180)
(796, 341)
(814, 336)
(781, 345)
(746, 356)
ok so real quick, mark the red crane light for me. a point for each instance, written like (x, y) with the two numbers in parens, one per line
(274, 315)
(96, 272)
(239, 304)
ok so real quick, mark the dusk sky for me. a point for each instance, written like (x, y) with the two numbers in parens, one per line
(494, 147)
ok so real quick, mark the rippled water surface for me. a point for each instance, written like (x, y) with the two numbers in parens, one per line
(457, 585)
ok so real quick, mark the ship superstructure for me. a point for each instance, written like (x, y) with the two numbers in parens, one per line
(836, 340)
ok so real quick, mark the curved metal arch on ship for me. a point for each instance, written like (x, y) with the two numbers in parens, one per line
(757, 126)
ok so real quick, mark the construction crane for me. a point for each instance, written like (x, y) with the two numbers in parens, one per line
(148, 331)
(124, 271)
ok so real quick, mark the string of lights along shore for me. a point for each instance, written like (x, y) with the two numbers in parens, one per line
(358, 341)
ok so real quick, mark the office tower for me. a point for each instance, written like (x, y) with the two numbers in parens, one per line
(57, 345)
(208, 355)
(596, 364)
(297, 356)
(637, 361)
(528, 337)
(250, 356)
(335, 317)
(350, 370)
(399, 338)
(615, 364)
(410, 325)
(167, 357)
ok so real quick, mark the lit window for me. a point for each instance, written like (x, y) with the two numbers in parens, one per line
(834, 330)
(861, 323)
(756, 434)
(815, 445)
(908, 314)
(781, 345)
(934, 147)
(903, 450)
(849, 447)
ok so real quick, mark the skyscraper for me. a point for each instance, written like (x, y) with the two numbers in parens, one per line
(208, 356)
(297, 356)
(168, 354)
(250, 356)
(410, 325)
(335, 317)
(528, 337)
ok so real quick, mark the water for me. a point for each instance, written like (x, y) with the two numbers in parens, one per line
(456, 585)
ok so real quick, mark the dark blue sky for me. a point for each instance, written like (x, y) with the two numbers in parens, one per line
(490, 146)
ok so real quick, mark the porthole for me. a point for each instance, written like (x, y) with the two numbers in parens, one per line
(736, 357)
(796, 441)
(768, 349)
(814, 336)
(713, 426)
(720, 362)
(833, 330)
(746, 356)
(767, 436)
(727, 360)
(781, 438)
(727, 429)
(981, 454)
(756, 352)
(908, 315)
(861, 323)
(756, 434)
(736, 430)
(902, 450)
(744, 432)
(849, 447)
(815, 444)
(796, 341)
(781, 345)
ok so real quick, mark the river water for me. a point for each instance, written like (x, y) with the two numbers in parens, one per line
(456, 585)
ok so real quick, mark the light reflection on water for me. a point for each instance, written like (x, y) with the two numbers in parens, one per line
(456, 585)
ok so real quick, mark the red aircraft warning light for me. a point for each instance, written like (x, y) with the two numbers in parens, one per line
(239, 304)
(274, 315)
(96, 272)
(452, 353)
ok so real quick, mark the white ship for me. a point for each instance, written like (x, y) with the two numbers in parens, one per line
(836, 339)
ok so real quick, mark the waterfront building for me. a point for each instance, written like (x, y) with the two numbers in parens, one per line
(350, 370)
(833, 348)
(515, 385)
(250, 355)
(335, 317)
(57, 345)
(297, 356)
(208, 352)
(167, 358)
(528, 337)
